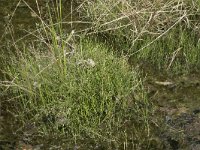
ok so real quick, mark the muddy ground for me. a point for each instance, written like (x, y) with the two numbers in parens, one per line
(177, 110)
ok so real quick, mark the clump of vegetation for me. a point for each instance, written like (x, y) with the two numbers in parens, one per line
(178, 51)
(85, 93)
(133, 19)
(157, 31)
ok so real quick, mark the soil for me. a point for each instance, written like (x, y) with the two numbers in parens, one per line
(177, 110)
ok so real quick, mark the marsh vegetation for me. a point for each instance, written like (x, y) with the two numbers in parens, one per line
(100, 74)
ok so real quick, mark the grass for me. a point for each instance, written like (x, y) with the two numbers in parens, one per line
(135, 19)
(71, 86)
(150, 30)
(177, 52)
(78, 90)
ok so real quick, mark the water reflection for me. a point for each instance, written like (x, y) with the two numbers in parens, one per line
(21, 15)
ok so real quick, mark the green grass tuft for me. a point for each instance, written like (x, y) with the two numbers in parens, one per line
(98, 96)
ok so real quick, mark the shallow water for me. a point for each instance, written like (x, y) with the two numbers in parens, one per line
(177, 100)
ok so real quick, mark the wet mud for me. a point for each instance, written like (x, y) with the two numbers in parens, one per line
(177, 110)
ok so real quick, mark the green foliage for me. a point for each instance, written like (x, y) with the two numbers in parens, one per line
(163, 33)
(178, 51)
(95, 96)
(75, 87)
